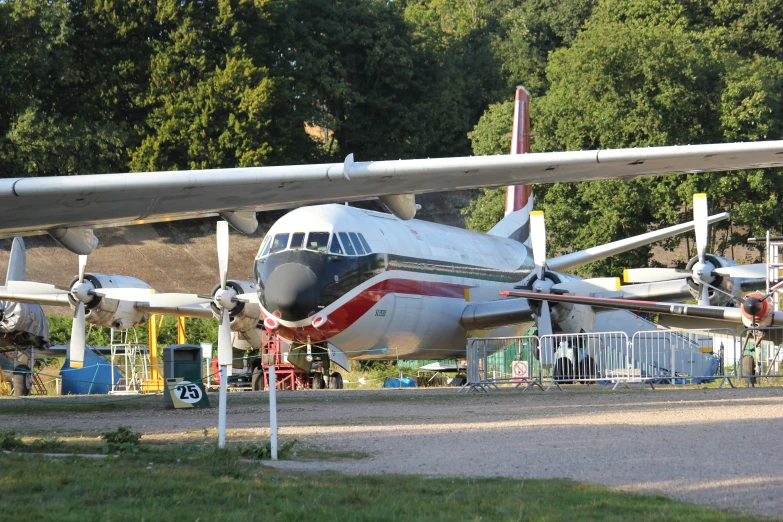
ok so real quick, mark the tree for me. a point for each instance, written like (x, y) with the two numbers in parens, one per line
(214, 100)
(532, 30)
(642, 74)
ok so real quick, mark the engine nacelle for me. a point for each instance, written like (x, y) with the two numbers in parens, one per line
(558, 311)
(244, 316)
(757, 312)
(726, 284)
(111, 313)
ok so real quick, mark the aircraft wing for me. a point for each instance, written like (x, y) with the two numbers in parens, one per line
(203, 311)
(719, 313)
(58, 204)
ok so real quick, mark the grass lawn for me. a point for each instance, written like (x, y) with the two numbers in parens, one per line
(200, 482)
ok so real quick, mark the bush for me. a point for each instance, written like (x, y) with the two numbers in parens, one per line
(50, 444)
(122, 440)
(9, 441)
(264, 451)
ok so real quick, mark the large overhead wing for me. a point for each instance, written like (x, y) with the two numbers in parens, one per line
(64, 205)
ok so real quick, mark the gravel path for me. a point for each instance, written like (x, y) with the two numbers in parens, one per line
(714, 447)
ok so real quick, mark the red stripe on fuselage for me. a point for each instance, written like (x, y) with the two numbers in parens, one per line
(350, 312)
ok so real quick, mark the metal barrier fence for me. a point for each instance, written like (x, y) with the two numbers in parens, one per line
(665, 356)
(586, 358)
(502, 360)
(758, 355)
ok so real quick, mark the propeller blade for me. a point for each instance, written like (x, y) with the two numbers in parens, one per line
(704, 295)
(77, 337)
(82, 266)
(247, 298)
(653, 275)
(538, 241)
(124, 294)
(33, 288)
(544, 322)
(175, 300)
(222, 248)
(544, 325)
(589, 286)
(754, 271)
(700, 214)
(225, 353)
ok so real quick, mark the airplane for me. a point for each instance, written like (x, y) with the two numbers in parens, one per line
(341, 282)
(23, 329)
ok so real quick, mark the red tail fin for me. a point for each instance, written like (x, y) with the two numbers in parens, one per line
(517, 196)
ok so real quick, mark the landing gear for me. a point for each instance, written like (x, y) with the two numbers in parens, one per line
(586, 370)
(564, 371)
(257, 380)
(21, 384)
(317, 381)
(336, 381)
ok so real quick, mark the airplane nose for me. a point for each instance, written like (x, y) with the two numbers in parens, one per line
(292, 288)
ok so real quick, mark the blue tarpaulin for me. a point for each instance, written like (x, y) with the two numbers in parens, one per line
(94, 378)
(405, 382)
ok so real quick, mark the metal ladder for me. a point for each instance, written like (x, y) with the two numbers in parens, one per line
(38, 386)
(774, 266)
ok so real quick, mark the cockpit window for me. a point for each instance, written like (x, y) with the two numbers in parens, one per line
(356, 243)
(264, 249)
(364, 244)
(335, 247)
(317, 241)
(347, 244)
(297, 240)
(279, 243)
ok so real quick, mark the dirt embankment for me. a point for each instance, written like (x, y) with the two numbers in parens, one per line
(180, 256)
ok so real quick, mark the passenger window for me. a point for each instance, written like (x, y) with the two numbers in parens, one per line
(264, 249)
(364, 244)
(318, 241)
(279, 243)
(335, 247)
(297, 240)
(347, 244)
(356, 243)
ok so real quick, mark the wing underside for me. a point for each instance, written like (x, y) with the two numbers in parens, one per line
(121, 199)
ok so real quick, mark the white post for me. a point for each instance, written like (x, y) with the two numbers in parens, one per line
(273, 411)
(222, 408)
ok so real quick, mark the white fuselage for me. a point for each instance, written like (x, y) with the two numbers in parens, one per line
(409, 294)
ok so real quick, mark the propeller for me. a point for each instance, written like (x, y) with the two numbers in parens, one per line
(538, 242)
(700, 214)
(78, 341)
(703, 271)
(223, 298)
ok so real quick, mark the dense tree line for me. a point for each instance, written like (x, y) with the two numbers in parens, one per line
(92, 86)
(649, 73)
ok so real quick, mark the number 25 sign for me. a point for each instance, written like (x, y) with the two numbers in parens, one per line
(186, 394)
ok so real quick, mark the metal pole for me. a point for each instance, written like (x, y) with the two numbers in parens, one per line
(222, 408)
(273, 411)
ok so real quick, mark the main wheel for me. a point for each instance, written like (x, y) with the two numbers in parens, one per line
(564, 371)
(749, 369)
(257, 380)
(586, 370)
(317, 382)
(19, 380)
(336, 381)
